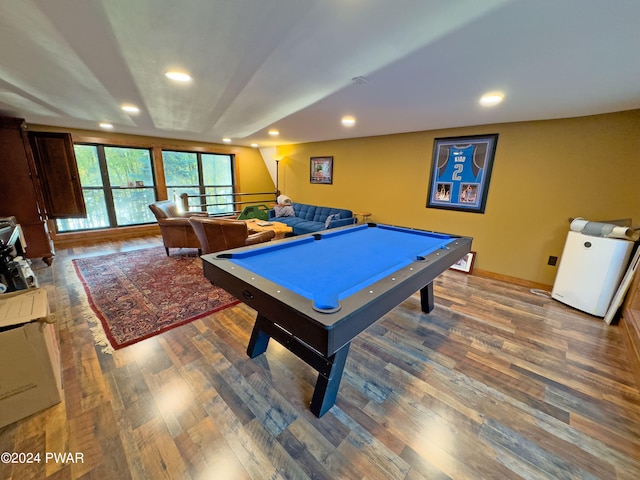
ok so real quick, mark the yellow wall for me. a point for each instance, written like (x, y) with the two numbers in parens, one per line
(544, 173)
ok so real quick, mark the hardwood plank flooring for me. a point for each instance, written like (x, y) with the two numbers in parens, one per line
(495, 383)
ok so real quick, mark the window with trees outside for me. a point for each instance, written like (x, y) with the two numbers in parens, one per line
(117, 184)
(207, 177)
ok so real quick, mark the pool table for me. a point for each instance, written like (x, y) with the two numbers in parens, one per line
(315, 293)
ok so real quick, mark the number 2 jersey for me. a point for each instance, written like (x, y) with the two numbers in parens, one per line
(459, 169)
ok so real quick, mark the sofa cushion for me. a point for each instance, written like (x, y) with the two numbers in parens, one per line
(312, 218)
(301, 226)
(304, 211)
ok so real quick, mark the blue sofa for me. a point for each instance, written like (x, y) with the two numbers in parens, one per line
(311, 218)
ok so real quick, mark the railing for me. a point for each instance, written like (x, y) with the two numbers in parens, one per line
(237, 205)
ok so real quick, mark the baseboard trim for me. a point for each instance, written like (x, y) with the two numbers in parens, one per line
(76, 239)
(513, 280)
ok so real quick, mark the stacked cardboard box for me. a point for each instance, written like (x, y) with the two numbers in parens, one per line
(30, 376)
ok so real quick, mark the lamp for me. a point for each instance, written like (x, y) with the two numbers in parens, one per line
(277, 176)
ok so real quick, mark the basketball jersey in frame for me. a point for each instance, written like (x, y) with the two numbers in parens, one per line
(459, 169)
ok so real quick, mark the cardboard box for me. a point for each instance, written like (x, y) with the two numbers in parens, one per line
(30, 376)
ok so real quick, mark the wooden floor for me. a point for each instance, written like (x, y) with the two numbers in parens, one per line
(495, 383)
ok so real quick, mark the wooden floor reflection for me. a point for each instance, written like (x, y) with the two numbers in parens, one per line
(495, 383)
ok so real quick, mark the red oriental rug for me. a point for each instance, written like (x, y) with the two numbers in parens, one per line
(141, 293)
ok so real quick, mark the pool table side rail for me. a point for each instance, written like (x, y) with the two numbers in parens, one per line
(255, 293)
(396, 293)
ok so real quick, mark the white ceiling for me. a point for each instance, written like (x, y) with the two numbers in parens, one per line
(289, 64)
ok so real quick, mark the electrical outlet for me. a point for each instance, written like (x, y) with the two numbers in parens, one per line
(552, 260)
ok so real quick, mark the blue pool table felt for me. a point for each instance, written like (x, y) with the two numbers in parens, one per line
(341, 263)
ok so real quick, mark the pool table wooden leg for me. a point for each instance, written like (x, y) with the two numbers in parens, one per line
(426, 298)
(326, 391)
(329, 368)
(259, 339)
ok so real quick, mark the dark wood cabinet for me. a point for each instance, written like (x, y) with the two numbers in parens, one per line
(20, 192)
(58, 173)
(631, 324)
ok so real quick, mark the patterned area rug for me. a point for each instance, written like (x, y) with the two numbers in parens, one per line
(141, 293)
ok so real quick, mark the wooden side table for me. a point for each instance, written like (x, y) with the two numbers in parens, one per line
(365, 216)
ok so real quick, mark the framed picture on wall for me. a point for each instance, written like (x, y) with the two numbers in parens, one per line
(461, 171)
(465, 264)
(321, 170)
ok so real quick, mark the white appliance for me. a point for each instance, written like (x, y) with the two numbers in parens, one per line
(590, 271)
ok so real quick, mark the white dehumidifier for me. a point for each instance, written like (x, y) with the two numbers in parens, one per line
(590, 271)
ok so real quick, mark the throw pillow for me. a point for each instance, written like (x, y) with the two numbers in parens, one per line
(330, 218)
(284, 211)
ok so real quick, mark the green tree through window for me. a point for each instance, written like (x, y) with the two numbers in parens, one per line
(117, 184)
(206, 174)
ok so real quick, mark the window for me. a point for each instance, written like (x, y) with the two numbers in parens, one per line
(117, 184)
(209, 174)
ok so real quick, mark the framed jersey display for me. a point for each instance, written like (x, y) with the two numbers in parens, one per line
(460, 172)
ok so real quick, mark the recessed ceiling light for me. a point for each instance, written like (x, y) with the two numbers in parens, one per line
(254, 145)
(178, 76)
(348, 121)
(226, 140)
(106, 126)
(491, 99)
(127, 107)
(273, 132)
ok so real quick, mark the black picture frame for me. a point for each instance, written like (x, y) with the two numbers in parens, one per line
(461, 171)
(321, 170)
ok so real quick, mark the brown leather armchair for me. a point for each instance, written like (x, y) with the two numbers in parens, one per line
(217, 234)
(175, 228)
